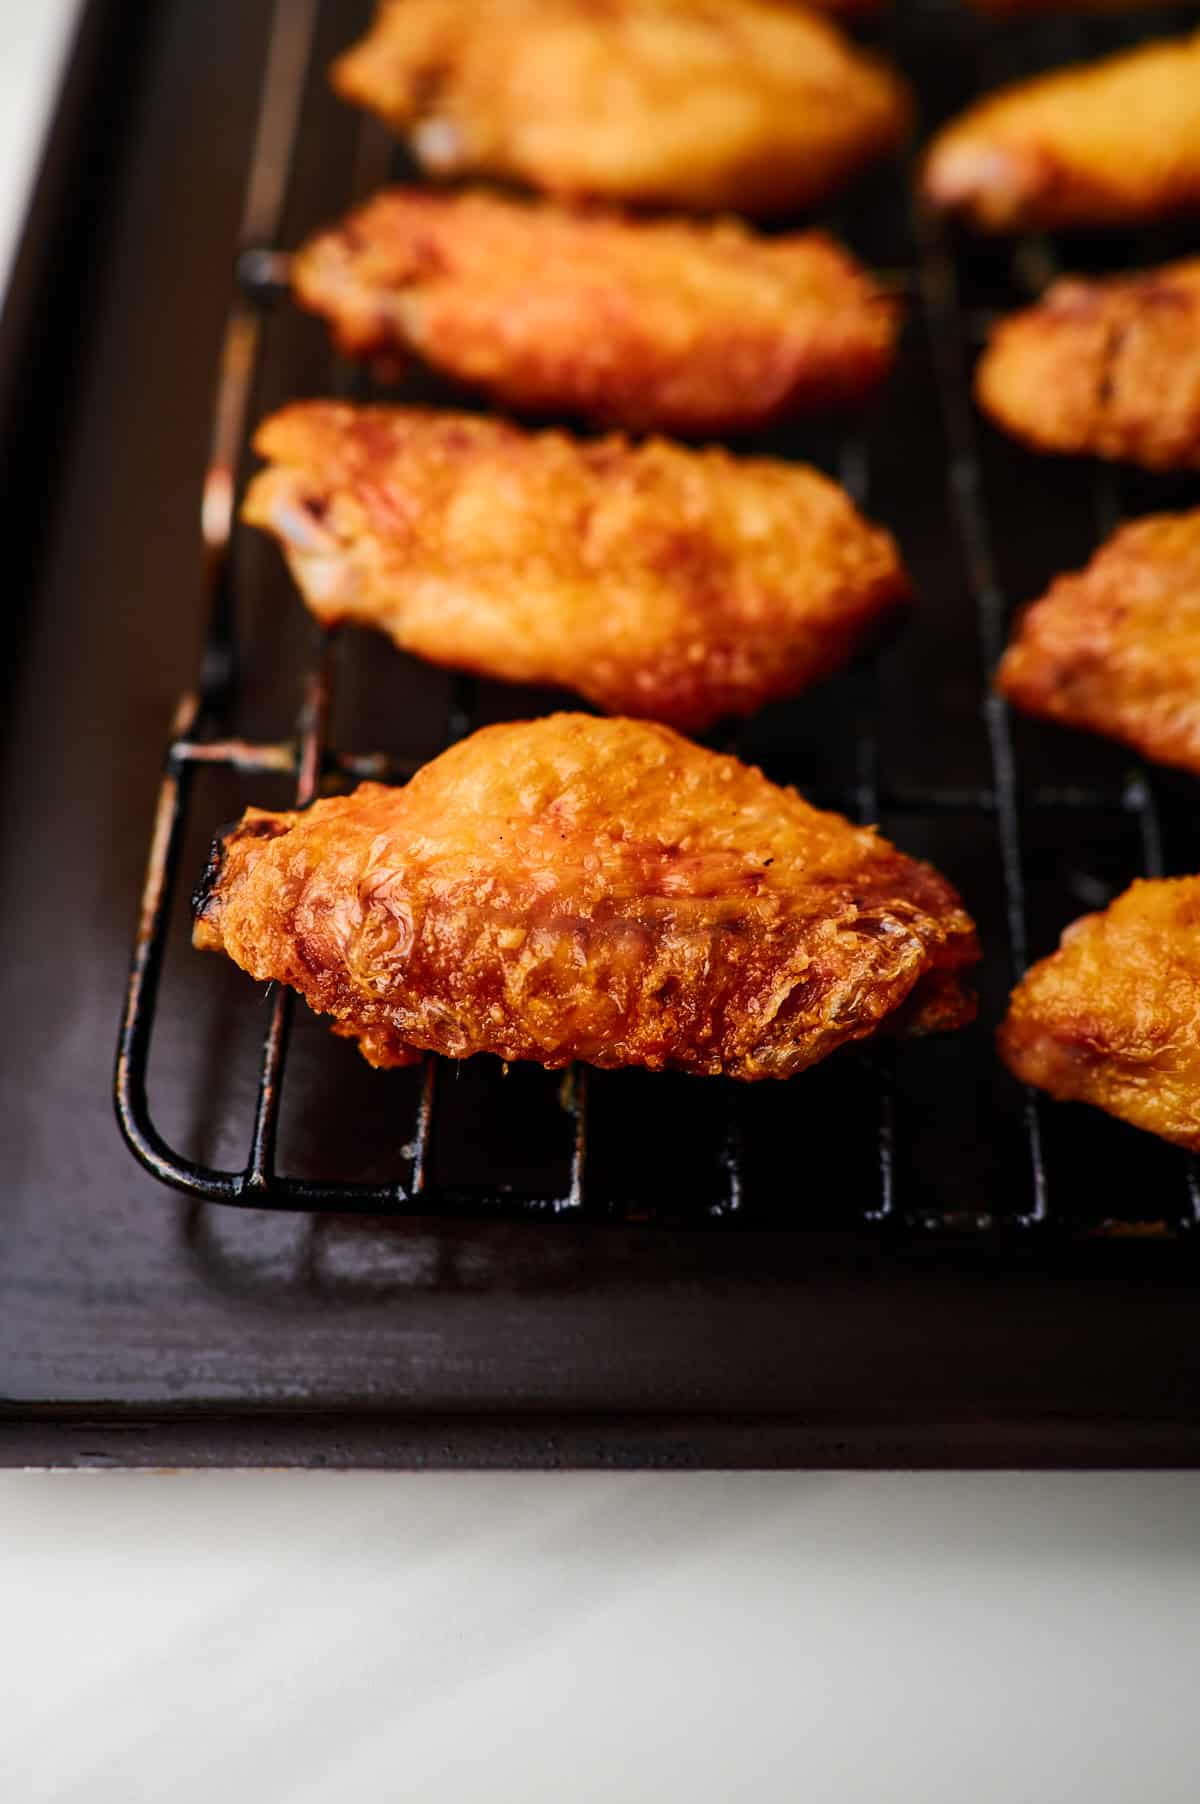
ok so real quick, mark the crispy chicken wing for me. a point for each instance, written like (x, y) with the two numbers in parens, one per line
(1116, 648)
(1107, 143)
(681, 585)
(682, 327)
(1110, 367)
(575, 888)
(752, 105)
(1113, 1017)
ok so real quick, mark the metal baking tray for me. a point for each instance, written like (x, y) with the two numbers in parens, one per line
(897, 1259)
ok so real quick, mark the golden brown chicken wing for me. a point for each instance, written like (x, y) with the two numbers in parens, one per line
(575, 888)
(681, 327)
(750, 105)
(1113, 1017)
(682, 585)
(1108, 367)
(1116, 648)
(1106, 143)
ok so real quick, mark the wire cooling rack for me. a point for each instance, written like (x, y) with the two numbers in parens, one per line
(755, 1156)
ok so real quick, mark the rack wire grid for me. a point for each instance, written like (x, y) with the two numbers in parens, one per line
(883, 1139)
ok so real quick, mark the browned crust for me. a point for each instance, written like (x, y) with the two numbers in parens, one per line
(676, 584)
(1115, 649)
(1108, 367)
(847, 9)
(1106, 143)
(1113, 1017)
(594, 889)
(761, 109)
(664, 325)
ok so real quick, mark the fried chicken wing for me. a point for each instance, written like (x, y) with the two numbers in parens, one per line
(1116, 648)
(681, 585)
(1109, 367)
(1106, 143)
(682, 327)
(1113, 1017)
(751, 105)
(576, 888)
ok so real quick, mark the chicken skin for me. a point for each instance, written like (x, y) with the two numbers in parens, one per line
(576, 888)
(1109, 367)
(679, 327)
(679, 585)
(751, 105)
(1115, 649)
(1113, 142)
(1113, 1017)
(844, 9)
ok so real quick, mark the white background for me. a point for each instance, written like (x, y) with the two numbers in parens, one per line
(301, 1639)
(305, 1639)
(34, 36)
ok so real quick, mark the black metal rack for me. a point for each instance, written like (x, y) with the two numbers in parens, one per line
(998, 808)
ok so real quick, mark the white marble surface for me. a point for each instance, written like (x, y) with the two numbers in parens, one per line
(303, 1639)
(836, 1640)
(34, 37)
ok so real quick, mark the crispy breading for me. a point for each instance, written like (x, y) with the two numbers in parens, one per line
(1110, 367)
(679, 326)
(678, 584)
(1105, 143)
(1113, 1017)
(1115, 649)
(576, 888)
(751, 105)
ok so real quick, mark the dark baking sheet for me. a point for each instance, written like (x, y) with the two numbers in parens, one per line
(136, 1328)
